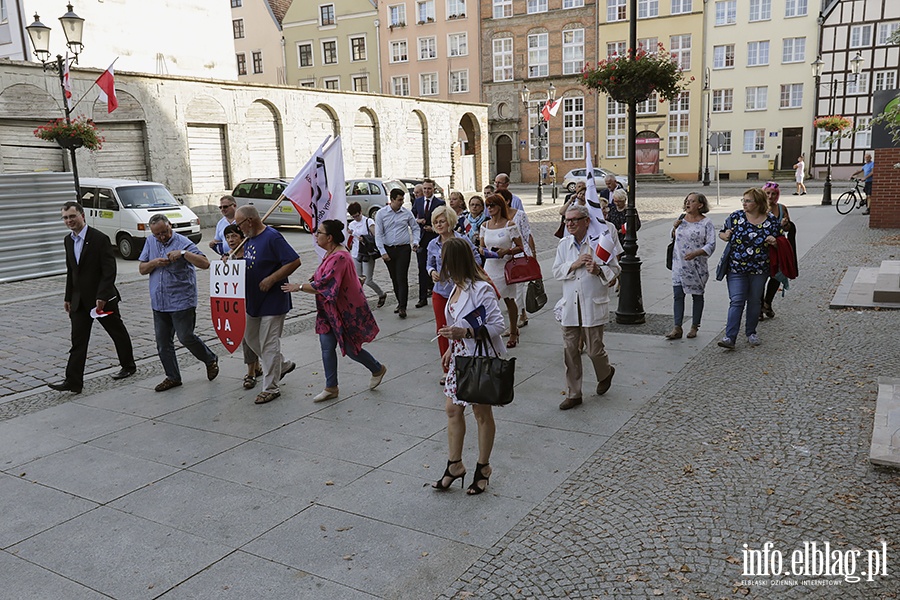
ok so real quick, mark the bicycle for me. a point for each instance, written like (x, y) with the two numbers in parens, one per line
(855, 198)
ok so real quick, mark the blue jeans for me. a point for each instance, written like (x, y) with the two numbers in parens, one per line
(744, 288)
(697, 312)
(181, 323)
(328, 342)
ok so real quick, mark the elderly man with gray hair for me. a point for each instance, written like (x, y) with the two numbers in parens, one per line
(170, 260)
(583, 310)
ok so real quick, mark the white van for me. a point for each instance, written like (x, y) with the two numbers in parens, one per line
(121, 208)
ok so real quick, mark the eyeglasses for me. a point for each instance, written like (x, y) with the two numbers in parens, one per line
(239, 223)
(321, 233)
(746, 201)
(575, 220)
(224, 206)
(492, 205)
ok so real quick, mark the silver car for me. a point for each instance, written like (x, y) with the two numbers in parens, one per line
(372, 194)
(576, 175)
(262, 194)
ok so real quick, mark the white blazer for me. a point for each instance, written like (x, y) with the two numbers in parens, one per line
(479, 293)
(585, 297)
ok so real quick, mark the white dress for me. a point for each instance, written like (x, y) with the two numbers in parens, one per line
(500, 238)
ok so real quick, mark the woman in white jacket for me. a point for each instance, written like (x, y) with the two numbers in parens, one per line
(471, 293)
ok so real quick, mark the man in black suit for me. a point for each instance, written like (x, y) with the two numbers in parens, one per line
(91, 283)
(422, 209)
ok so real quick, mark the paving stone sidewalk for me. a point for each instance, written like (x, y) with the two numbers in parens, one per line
(742, 447)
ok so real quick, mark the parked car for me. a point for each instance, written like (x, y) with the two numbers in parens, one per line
(576, 175)
(411, 186)
(372, 194)
(121, 208)
(262, 193)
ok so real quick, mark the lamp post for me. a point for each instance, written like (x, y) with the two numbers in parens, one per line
(73, 27)
(817, 66)
(541, 132)
(707, 94)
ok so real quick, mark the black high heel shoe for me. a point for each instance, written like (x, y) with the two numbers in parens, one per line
(438, 485)
(476, 489)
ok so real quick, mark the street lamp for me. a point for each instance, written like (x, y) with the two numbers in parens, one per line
(707, 93)
(541, 132)
(817, 66)
(73, 28)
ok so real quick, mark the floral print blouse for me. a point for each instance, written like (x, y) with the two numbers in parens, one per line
(749, 252)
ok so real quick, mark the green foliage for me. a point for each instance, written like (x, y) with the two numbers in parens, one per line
(635, 79)
(80, 128)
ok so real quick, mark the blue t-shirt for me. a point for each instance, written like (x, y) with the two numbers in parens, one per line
(867, 170)
(265, 254)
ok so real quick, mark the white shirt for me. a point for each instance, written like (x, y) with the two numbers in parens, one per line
(78, 243)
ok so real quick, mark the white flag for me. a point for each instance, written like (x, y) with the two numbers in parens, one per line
(67, 83)
(598, 223)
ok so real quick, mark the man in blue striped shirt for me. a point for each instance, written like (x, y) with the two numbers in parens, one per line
(395, 228)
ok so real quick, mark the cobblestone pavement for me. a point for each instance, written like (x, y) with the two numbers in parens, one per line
(742, 447)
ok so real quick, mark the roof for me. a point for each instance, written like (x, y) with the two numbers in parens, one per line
(279, 8)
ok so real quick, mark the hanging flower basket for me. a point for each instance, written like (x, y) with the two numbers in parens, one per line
(833, 123)
(81, 132)
(635, 79)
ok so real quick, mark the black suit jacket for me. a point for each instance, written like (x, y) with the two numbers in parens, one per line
(94, 277)
(418, 210)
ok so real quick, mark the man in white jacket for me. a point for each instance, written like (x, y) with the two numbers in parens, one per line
(583, 309)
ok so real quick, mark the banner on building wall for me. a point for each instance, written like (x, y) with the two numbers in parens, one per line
(885, 101)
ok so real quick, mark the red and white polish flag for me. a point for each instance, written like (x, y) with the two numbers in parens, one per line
(107, 84)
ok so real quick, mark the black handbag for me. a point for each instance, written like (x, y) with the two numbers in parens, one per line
(535, 296)
(724, 263)
(671, 249)
(483, 379)
(367, 248)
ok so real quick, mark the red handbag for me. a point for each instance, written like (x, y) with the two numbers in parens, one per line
(521, 269)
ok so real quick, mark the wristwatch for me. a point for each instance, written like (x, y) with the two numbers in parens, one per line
(468, 333)
(183, 252)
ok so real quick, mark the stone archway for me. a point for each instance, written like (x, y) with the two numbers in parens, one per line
(467, 174)
(263, 136)
(366, 144)
(503, 153)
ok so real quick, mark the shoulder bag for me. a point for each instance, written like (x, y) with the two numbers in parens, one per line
(671, 249)
(535, 296)
(521, 269)
(483, 379)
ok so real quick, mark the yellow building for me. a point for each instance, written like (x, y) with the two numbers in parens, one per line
(668, 134)
(332, 45)
(258, 49)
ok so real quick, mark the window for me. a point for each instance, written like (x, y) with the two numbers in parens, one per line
(573, 3)
(615, 49)
(723, 57)
(538, 55)
(681, 6)
(885, 80)
(648, 9)
(329, 52)
(795, 8)
(399, 51)
(573, 128)
(537, 6)
(332, 83)
(822, 142)
(680, 47)
(793, 50)
(427, 48)
(679, 123)
(616, 117)
(458, 43)
(791, 95)
(722, 100)
(234, 4)
(863, 137)
(860, 36)
(326, 14)
(257, 63)
(308, 83)
(648, 106)
(397, 15)
(502, 9)
(425, 11)
(459, 81)
(237, 25)
(456, 8)
(757, 53)
(428, 84)
(360, 83)
(242, 63)
(725, 148)
(305, 54)
(885, 31)
(726, 12)
(648, 45)
(754, 140)
(573, 51)
(4, 17)
(400, 85)
(760, 10)
(757, 98)
(859, 85)
(357, 48)
(615, 10)
(503, 59)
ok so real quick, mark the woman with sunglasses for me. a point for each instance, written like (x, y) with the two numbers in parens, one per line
(500, 241)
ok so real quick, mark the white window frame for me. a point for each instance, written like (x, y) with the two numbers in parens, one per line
(648, 9)
(503, 56)
(616, 128)
(725, 148)
(398, 51)
(337, 56)
(821, 139)
(756, 142)
(533, 7)
(791, 96)
(885, 31)
(616, 10)
(307, 83)
(648, 45)
(796, 8)
(793, 50)
(397, 15)
(354, 79)
(723, 56)
(681, 54)
(538, 55)
(760, 10)
(616, 49)
(322, 22)
(502, 9)
(679, 125)
(863, 136)
(458, 44)
(426, 48)
(756, 98)
(680, 7)
(723, 100)
(860, 36)
(459, 81)
(572, 4)
(365, 48)
(648, 106)
(573, 127)
(331, 80)
(403, 82)
(726, 12)
(885, 80)
(424, 11)
(456, 9)
(312, 54)
(858, 85)
(755, 52)
(572, 51)
(429, 84)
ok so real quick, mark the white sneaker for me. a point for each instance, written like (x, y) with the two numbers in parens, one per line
(326, 394)
(753, 339)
